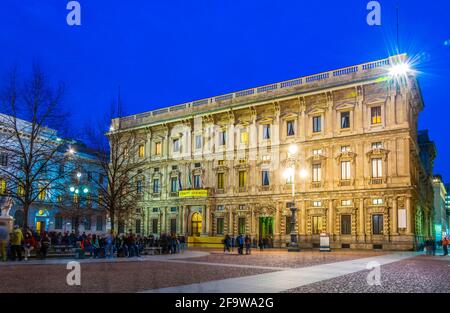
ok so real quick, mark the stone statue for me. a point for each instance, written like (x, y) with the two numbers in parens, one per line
(5, 206)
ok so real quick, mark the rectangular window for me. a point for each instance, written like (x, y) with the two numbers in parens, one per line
(139, 186)
(176, 145)
(317, 172)
(173, 225)
(241, 207)
(158, 147)
(155, 210)
(220, 162)
(58, 222)
(197, 181)
(345, 148)
(375, 114)
(141, 150)
(377, 168)
(317, 151)
(241, 225)
(316, 225)
(219, 226)
(345, 119)
(317, 124)
(346, 224)
(377, 224)
(42, 193)
(242, 179)
(266, 131)
(346, 202)
(155, 226)
(174, 184)
(155, 185)
(220, 180)
(138, 226)
(290, 128)
(317, 203)
(265, 178)
(222, 138)
(265, 157)
(87, 223)
(377, 145)
(244, 137)
(345, 170)
(198, 141)
(2, 186)
(3, 159)
(99, 223)
(220, 207)
(377, 201)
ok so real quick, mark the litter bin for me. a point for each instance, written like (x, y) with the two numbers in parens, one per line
(324, 242)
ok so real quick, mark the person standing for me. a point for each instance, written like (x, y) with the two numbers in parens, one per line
(30, 244)
(45, 244)
(16, 243)
(248, 244)
(109, 252)
(445, 245)
(4, 237)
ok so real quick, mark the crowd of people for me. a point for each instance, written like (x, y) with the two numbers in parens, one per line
(430, 245)
(19, 245)
(245, 242)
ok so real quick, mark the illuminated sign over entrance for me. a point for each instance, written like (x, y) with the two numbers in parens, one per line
(195, 193)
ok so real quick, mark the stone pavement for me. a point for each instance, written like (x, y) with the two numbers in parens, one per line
(162, 257)
(285, 279)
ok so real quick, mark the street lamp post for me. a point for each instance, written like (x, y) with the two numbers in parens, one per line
(290, 173)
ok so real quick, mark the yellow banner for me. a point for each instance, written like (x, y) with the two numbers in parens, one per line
(196, 193)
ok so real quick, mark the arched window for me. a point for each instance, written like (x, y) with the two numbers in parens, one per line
(196, 224)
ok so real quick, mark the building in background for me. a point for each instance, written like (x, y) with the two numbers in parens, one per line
(440, 221)
(72, 202)
(215, 166)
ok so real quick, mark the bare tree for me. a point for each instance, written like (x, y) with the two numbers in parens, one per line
(31, 152)
(121, 183)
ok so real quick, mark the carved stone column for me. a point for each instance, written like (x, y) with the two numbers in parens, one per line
(330, 218)
(394, 216)
(409, 216)
(361, 220)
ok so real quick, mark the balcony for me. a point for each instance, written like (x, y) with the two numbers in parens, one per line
(345, 182)
(316, 184)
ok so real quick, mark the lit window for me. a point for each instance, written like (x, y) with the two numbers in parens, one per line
(242, 179)
(241, 206)
(265, 157)
(20, 190)
(220, 207)
(2, 186)
(317, 172)
(317, 151)
(345, 170)
(345, 119)
(220, 180)
(345, 148)
(317, 225)
(158, 146)
(155, 185)
(244, 137)
(377, 168)
(141, 151)
(317, 203)
(375, 114)
(197, 181)
(221, 162)
(377, 201)
(42, 193)
(346, 202)
(290, 128)
(266, 131)
(317, 124)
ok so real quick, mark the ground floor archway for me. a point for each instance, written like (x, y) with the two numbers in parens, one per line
(196, 224)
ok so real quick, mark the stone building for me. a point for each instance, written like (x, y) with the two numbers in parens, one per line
(440, 210)
(218, 165)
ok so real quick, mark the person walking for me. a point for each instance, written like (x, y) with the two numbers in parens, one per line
(16, 243)
(226, 244)
(445, 245)
(248, 244)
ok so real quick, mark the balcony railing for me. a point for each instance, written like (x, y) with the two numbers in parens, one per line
(345, 182)
(376, 181)
(365, 70)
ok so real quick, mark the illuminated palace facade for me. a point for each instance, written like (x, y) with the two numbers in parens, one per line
(216, 166)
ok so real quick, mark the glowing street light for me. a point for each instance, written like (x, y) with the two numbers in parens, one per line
(78, 175)
(303, 173)
(71, 151)
(85, 190)
(72, 189)
(77, 191)
(292, 149)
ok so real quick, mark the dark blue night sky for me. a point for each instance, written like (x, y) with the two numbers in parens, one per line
(168, 52)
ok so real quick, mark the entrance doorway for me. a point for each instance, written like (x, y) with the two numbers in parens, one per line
(266, 230)
(196, 224)
(40, 226)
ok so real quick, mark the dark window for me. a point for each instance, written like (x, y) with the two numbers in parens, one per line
(173, 225)
(174, 184)
(290, 128)
(346, 224)
(222, 138)
(265, 178)
(155, 226)
(219, 223)
(99, 223)
(19, 218)
(87, 223)
(138, 226)
(317, 124)
(241, 225)
(58, 222)
(266, 131)
(155, 210)
(3, 159)
(377, 224)
(345, 119)
(156, 186)
(121, 227)
(197, 181)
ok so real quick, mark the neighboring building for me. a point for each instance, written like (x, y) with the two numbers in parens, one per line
(440, 225)
(59, 210)
(216, 165)
(447, 206)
